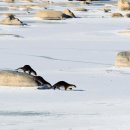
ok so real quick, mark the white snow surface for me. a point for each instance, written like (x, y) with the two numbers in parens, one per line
(81, 51)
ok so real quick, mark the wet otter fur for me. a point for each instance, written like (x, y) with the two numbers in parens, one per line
(11, 16)
(42, 82)
(64, 84)
(27, 68)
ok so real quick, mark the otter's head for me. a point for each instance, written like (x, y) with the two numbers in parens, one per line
(11, 16)
(74, 86)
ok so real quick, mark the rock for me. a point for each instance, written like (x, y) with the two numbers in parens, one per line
(18, 79)
(55, 15)
(123, 59)
(117, 15)
(125, 31)
(81, 9)
(123, 5)
(50, 15)
(11, 20)
(107, 10)
(9, 1)
(67, 12)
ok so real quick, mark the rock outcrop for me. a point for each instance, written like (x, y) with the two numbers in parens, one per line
(123, 5)
(68, 13)
(117, 15)
(123, 59)
(9, 1)
(81, 9)
(55, 15)
(17, 79)
(11, 20)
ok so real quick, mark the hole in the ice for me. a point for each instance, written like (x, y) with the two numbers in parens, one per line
(13, 35)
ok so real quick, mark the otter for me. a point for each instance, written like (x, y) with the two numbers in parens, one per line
(64, 84)
(11, 17)
(42, 82)
(28, 68)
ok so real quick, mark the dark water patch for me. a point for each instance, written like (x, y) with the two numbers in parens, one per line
(125, 72)
(80, 90)
(42, 114)
(24, 113)
(13, 35)
(77, 90)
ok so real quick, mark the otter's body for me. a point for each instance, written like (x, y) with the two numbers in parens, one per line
(27, 68)
(42, 82)
(64, 84)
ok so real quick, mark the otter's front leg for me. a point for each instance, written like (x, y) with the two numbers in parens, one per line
(30, 72)
(66, 88)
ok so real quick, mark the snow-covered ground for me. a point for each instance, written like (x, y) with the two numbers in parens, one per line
(81, 51)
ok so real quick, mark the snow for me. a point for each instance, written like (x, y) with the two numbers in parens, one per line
(81, 51)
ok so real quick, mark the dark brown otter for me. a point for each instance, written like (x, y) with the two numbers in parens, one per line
(64, 84)
(42, 82)
(27, 68)
(11, 16)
